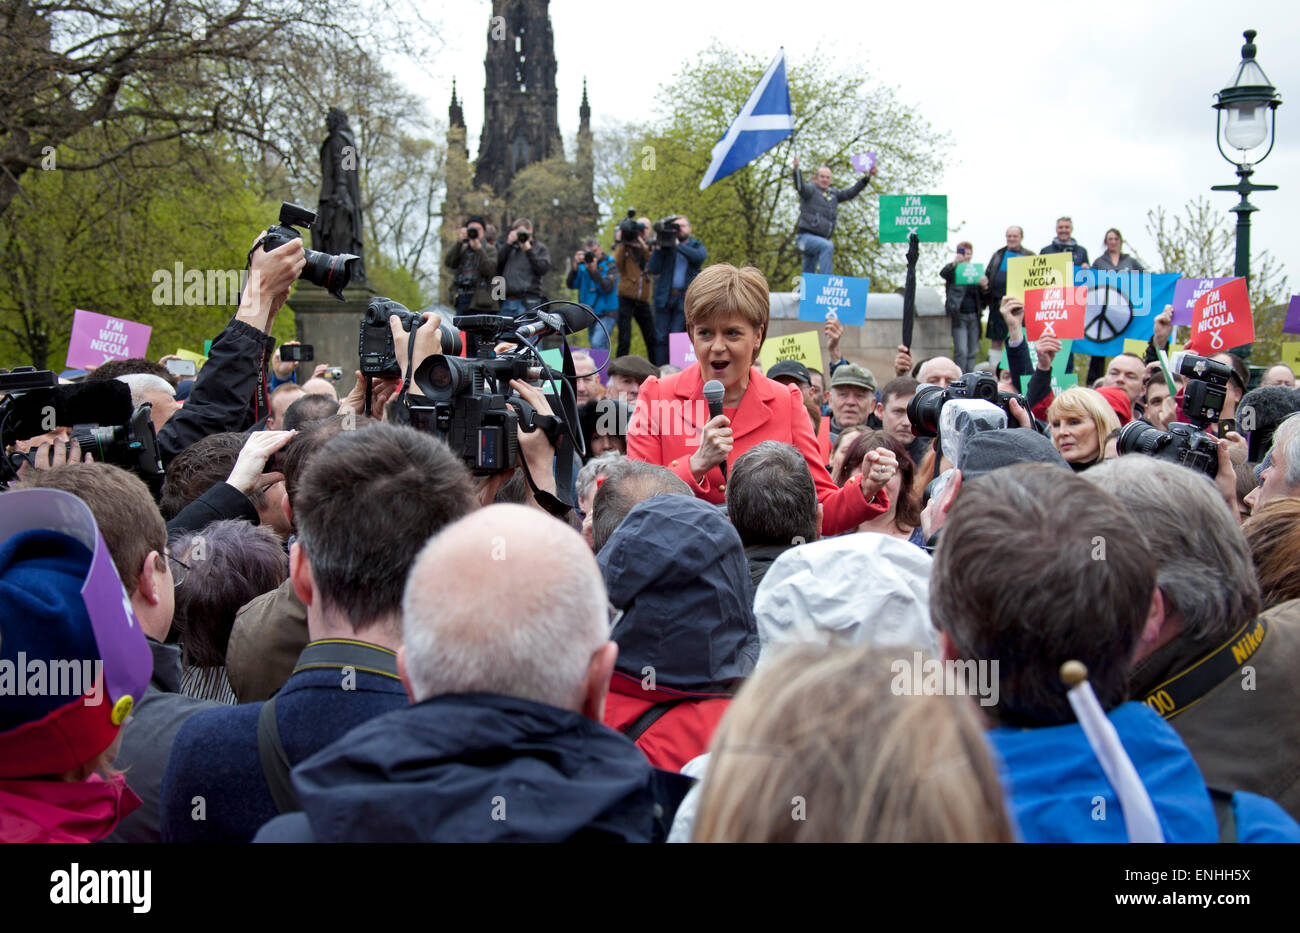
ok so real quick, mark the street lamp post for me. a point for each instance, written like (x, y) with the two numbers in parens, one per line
(1246, 116)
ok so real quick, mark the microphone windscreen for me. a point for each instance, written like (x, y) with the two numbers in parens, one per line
(104, 402)
(713, 392)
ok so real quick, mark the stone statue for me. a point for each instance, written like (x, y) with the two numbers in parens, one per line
(338, 220)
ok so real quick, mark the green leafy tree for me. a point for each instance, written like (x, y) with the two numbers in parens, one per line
(1201, 243)
(750, 216)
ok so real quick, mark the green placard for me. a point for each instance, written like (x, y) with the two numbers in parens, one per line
(1059, 383)
(1058, 361)
(926, 215)
(968, 273)
(207, 348)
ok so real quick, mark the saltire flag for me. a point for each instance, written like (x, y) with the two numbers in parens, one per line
(1121, 306)
(764, 121)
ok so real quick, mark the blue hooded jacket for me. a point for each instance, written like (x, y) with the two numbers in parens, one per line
(472, 767)
(1053, 781)
(676, 567)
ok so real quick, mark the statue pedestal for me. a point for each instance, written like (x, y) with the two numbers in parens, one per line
(331, 326)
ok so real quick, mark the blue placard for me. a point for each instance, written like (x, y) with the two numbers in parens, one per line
(1121, 306)
(843, 294)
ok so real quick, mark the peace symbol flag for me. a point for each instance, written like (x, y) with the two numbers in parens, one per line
(1121, 306)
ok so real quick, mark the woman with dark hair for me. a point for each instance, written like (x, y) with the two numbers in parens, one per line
(604, 426)
(218, 570)
(903, 518)
(1111, 259)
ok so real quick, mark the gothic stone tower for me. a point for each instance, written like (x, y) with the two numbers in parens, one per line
(520, 126)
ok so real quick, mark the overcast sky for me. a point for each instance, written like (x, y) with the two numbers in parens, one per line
(1099, 111)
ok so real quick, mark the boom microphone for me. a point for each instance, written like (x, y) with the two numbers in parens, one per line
(567, 319)
(713, 392)
(105, 402)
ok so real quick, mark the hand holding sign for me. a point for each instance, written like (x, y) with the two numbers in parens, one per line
(1221, 319)
(1055, 312)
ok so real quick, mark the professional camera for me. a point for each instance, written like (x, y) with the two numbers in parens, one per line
(667, 229)
(923, 410)
(630, 230)
(469, 403)
(378, 355)
(521, 237)
(1187, 442)
(588, 256)
(332, 273)
(100, 414)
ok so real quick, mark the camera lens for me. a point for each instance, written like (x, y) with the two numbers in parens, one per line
(332, 273)
(923, 410)
(1139, 437)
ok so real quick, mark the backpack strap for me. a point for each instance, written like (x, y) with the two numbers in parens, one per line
(650, 716)
(275, 762)
(1223, 814)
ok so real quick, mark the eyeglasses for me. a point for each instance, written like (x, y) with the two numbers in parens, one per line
(179, 568)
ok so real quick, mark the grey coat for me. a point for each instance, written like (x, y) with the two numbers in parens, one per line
(819, 209)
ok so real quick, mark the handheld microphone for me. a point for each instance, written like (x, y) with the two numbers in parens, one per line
(713, 392)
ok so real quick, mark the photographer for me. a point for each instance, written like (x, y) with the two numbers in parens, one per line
(595, 277)
(474, 262)
(523, 262)
(631, 254)
(675, 264)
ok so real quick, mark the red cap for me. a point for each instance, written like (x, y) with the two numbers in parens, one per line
(1118, 399)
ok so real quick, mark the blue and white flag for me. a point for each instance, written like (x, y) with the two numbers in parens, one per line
(764, 121)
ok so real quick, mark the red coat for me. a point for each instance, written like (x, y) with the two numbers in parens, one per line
(63, 811)
(680, 734)
(671, 411)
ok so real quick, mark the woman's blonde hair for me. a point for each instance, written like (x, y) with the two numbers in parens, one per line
(1088, 403)
(817, 747)
(722, 290)
(1273, 533)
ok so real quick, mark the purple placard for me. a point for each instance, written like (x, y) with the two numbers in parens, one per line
(863, 162)
(681, 352)
(1187, 291)
(98, 338)
(128, 662)
(600, 358)
(1292, 323)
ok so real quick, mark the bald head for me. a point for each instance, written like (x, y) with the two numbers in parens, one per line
(320, 387)
(282, 396)
(1279, 375)
(460, 636)
(938, 371)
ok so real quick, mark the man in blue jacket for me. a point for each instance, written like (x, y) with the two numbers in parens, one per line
(595, 276)
(674, 267)
(364, 506)
(1084, 589)
(503, 741)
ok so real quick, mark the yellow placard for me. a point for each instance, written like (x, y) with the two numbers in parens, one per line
(805, 347)
(1291, 355)
(1055, 270)
(197, 358)
(1137, 347)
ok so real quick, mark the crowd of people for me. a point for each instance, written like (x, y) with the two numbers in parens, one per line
(784, 612)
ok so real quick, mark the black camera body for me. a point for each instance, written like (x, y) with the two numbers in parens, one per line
(923, 410)
(100, 414)
(588, 256)
(376, 349)
(667, 230)
(521, 236)
(332, 273)
(1186, 443)
(468, 402)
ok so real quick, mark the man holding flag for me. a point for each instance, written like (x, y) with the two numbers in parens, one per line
(821, 204)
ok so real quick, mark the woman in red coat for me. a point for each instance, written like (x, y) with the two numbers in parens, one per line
(726, 316)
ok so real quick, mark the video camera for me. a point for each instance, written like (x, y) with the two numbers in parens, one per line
(630, 229)
(667, 229)
(1187, 442)
(332, 273)
(100, 414)
(924, 408)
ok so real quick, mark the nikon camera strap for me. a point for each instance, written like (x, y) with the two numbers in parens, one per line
(336, 653)
(1187, 687)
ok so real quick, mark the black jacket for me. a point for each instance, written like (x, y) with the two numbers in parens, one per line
(1078, 253)
(147, 743)
(229, 393)
(997, 277)
(524, 269)
(473, 767)
(219, 502)
(819, 209)
(955, 295)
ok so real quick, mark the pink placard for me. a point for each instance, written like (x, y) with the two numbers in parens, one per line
(98, 338)
(681, 352)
